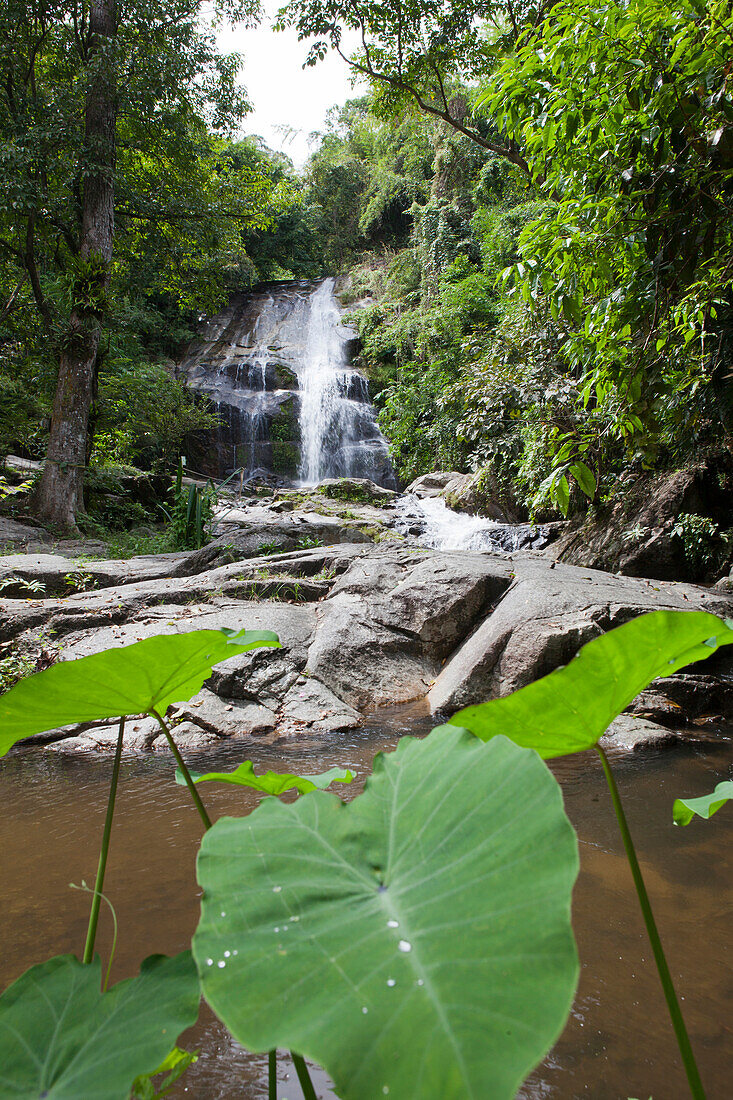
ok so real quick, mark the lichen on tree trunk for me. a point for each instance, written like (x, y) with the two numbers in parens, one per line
(60, 495)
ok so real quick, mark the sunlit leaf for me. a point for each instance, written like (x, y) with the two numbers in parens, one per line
(134, 679)
(173, 1066)
(414, 942)
(685, 809)
(62, 1039)
(585, 478)
(271, 782)
(571, 708)
(562, 494)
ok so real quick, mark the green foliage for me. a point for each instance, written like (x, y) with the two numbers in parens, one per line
(61, 1038)
(14, 667)
(190, 207)
(191, 516)
(411, 870)
(706, 547)
(438, 899)
(685, 809)
(569, 710)
(626, 118)
(271, 782)
(411, 54)
(144, 414)
(142, 678)
(79, 580)
(174, 1066)
(308, 542)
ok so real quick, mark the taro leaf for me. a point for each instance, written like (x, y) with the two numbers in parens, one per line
(684, 809)
(61, 1038)
(416, 941)
(174, 1066)
(271, 782)
(571, 708)
(133, 679)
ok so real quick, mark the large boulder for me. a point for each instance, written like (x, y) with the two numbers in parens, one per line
(478, 494)
(665, 526)
(356, 490)
(545, 617)
(432, 485)
(393, 616)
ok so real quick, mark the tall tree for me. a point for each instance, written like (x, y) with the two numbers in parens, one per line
(112, 132)
(625, 111)
(61, 489)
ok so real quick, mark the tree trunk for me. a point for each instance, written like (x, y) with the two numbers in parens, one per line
(60, 492)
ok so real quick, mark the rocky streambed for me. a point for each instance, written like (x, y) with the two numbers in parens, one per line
(367, 614)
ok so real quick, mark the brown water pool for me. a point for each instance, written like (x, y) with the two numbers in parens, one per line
(618, 1042)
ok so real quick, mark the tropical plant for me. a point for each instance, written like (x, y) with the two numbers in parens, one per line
(569, 710)
(191, 514)
(322, 921)
(685, 809)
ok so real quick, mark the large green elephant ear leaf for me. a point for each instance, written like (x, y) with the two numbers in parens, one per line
(134, 679)
(414, 942)
(275, 783)
(685, 809)
(569, 710)
(62, 1039)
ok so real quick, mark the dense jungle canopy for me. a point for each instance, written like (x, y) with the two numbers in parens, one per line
(534, 204)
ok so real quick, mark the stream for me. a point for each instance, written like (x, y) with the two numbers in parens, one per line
(618, 1042)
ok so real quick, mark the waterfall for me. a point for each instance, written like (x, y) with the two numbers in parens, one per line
(276, 366)
(338, 430)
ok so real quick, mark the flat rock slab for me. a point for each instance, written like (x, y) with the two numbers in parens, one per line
(58, 575)
(362, 625)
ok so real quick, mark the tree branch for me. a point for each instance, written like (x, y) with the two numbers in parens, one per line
(29, 260)
(12, 300)
(507, 152)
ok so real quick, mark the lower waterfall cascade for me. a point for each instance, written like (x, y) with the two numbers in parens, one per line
(276, 365)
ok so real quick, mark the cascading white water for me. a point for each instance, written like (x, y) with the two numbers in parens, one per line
(445, 529)
(338, 432)
(255, 420)
(275, 364)
(440, 527)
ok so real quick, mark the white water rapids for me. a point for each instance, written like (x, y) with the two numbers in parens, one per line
(443, 529)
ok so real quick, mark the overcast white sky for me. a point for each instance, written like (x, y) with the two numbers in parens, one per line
(281, 91)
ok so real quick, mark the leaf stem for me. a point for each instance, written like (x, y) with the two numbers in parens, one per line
(272, 1075)
(301, 1069)
(104, 850)
(184, 771)
(683, 1039)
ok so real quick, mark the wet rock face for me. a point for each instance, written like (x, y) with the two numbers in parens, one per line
(669, 526)
(276, 364)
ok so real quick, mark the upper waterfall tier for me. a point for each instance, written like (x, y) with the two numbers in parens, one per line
(276, 365)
